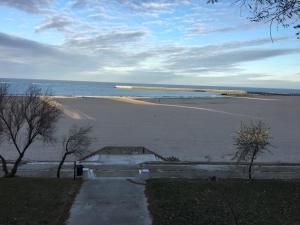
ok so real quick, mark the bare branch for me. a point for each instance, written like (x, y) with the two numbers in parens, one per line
(283, 12)
(24, 119)
(78, 140)
(76, 143)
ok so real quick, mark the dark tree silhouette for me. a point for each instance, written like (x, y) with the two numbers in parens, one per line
(251, 140)
(3, 94)
(76, 143)
(280, 12)
(25, 119)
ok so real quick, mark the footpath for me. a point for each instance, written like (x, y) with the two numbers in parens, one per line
(108, 201)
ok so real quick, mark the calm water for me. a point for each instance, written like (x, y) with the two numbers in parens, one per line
(83, 88)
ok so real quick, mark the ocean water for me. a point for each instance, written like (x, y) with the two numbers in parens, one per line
(84, 88)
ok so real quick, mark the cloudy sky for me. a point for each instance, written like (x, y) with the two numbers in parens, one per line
(154, 41)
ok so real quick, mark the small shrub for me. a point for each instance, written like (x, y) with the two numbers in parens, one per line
(172, 159)
(251, 140)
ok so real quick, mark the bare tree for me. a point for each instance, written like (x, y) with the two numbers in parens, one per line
(76, 143)
(3, 94)
(282, 12)
(25, 119)
(251, 140)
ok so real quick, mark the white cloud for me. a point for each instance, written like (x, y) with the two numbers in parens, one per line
(31, 6)
(149, 5)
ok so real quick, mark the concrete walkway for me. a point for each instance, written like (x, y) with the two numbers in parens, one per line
(110, 201)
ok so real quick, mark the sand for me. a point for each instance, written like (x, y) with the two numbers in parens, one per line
(195, 129)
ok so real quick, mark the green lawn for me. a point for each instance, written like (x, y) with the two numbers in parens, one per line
(36, 201)
(197, 202)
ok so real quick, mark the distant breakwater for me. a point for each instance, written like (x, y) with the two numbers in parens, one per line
(220, 91)
(225, 92)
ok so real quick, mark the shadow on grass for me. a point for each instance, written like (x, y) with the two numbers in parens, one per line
(36, 201)
(226, 202)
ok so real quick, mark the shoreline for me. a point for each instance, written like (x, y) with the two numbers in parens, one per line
(99, 89)
(136, 97)
(250, 96)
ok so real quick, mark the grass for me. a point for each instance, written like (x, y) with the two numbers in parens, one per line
(36, 201)
(201, 202)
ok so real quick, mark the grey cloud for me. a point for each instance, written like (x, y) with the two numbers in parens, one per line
(58, 22)
(149, 5)
(225, 60)
(133, 4)
(144, 76)
(243, 80)
(21, 56)
(177, 51)
(24, 55)
(26, 46)
(218, 57)
(31, 6)
(106, 40)
(247, 43)
(271, 83)
(230, 45)
(78, 3)
(202, 29)
(112, 57)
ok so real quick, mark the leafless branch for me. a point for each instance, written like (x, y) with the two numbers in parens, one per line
(24, 119)
(283, 12)
(76, 143)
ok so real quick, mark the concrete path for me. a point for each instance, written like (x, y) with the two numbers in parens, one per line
(110, 202)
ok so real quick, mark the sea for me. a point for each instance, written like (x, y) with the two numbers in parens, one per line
(88, 88)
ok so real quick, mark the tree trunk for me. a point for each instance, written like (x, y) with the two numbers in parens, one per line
(250, 172)
(60, 165)
(4, 165)
(250, 168)
(13, 171)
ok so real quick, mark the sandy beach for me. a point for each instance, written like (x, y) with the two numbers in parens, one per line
(195, 129)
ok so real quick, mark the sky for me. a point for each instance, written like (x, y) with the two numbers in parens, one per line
(186, 42)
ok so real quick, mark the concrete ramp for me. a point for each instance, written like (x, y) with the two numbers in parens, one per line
(110, 202)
